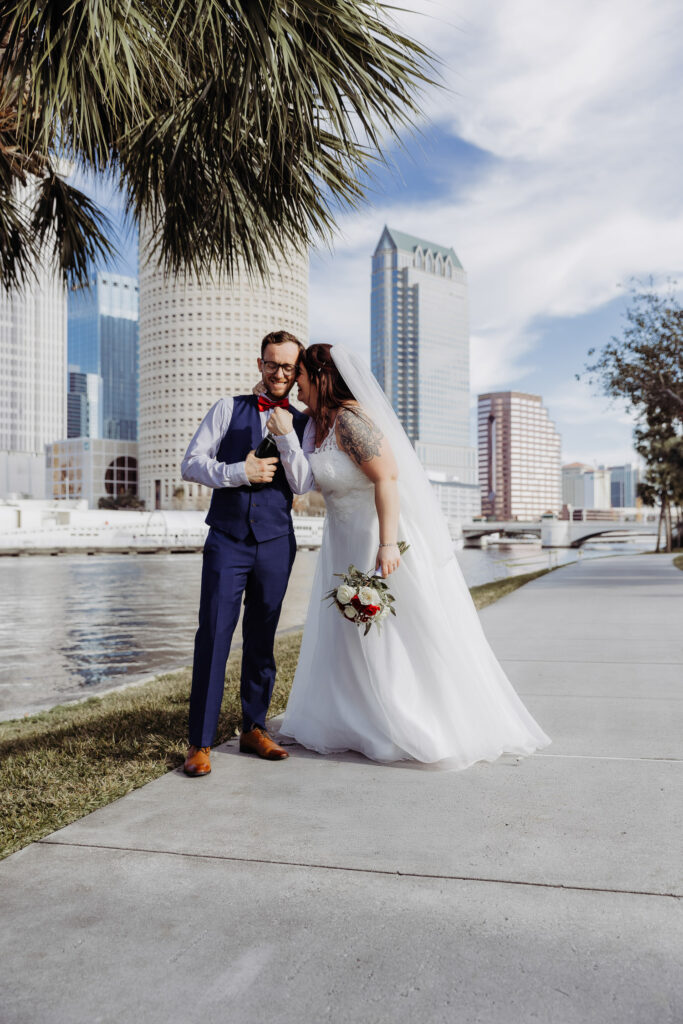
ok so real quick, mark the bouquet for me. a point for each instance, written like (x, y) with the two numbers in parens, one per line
(363, 597)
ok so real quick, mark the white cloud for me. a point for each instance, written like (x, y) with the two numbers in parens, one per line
(581, 104)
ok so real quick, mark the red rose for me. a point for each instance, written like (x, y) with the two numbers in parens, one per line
(356, 602)
(371, 609)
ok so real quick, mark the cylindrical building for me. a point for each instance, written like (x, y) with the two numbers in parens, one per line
(199, 341)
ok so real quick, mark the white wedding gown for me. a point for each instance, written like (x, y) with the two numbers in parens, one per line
(426, 686)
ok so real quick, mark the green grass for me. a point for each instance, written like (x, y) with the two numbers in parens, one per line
(61, 764)
(487, 593)
(678, 561)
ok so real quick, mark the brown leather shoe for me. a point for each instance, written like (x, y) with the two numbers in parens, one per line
(257, 741)
(197, 761)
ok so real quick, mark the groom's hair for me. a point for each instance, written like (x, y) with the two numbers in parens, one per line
(281, 338)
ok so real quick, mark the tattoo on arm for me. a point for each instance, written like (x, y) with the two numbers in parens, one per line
(358, 436)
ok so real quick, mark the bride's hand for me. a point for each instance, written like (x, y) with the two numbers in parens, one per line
(388, 559)
(259, 388)
(280, 422)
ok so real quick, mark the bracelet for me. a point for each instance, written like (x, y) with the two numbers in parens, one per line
(393, 545)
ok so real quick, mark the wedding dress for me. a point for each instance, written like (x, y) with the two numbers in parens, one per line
(425, 685)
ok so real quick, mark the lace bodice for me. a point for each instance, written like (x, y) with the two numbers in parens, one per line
(345, 488)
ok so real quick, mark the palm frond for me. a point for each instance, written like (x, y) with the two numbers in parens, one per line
(67, 222)
(18, 252)
(237, 127)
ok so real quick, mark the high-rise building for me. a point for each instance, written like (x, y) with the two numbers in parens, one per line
(598, 488)
(420, 348)
(519, 457)
(459, 502)
(32, 395)
(84, 404)
(103, 340)
(624, 485)
(574, 484)
(199, 341)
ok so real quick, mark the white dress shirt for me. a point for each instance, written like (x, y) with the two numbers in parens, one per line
(201, 466)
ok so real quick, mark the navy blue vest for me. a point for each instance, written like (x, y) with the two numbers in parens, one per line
(239, 511)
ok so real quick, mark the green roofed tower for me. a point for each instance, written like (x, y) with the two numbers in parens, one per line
(420, 348)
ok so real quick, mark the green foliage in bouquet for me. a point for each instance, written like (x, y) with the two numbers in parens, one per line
(362, 597)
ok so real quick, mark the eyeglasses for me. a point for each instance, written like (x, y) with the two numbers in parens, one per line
(286, 368)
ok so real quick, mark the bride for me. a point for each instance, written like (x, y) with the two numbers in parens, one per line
(426, 686)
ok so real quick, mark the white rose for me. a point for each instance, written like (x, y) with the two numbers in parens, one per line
(345, 593)
(350, 612)
(368, 595)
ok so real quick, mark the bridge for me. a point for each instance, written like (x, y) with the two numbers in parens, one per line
(560, 533)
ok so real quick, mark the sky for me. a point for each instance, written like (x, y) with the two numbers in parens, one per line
(550, 160)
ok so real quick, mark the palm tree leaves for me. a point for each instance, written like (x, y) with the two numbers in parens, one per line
(236, 128)
(68, 222)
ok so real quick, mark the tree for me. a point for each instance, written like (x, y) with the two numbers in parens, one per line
(236, 128)
(125, 500)
(662, 449)
(645, 367)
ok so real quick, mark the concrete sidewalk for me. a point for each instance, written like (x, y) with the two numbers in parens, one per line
(544, 889)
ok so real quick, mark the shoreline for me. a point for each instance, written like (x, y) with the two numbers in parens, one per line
(25, 714)
(70, 696)
(483, 595)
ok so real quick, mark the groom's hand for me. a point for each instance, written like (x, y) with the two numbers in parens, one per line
(259, 471)
(280, 422)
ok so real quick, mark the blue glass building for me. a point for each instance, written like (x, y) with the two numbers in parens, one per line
(420, 348)
(624, 485)
(84, 404)
(103, 340)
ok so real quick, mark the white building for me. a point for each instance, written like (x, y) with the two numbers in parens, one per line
(420, 348)
(598, 488)
(519, 457)
(86, 468)
(199, 341)
(460, 503)
(33, 380)
(574, 484)
(587, 486)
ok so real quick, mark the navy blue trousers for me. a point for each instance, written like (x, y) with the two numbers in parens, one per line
(233, 569)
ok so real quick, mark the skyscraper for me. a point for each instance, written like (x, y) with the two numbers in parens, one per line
(624, 485)
(84, 404)
(32, 393)
(420, 347)
(519, 457)
(103, 340)
(598, 488)
(199, 341)
(574, 484)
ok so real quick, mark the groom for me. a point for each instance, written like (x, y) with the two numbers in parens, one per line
(249, 551)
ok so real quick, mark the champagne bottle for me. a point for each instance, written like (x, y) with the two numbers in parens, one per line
(267, 449)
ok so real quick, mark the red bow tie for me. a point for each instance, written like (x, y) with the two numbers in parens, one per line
(268, 403)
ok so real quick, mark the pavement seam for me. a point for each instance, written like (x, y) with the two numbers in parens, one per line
(580, 661)
(364, 871)
(610, 757)
(598, 696)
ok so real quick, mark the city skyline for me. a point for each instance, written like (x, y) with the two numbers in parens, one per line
(553, 173)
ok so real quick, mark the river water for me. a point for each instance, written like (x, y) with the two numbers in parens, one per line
(73, 625)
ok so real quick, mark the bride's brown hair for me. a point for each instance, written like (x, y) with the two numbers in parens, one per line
(332, 389)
